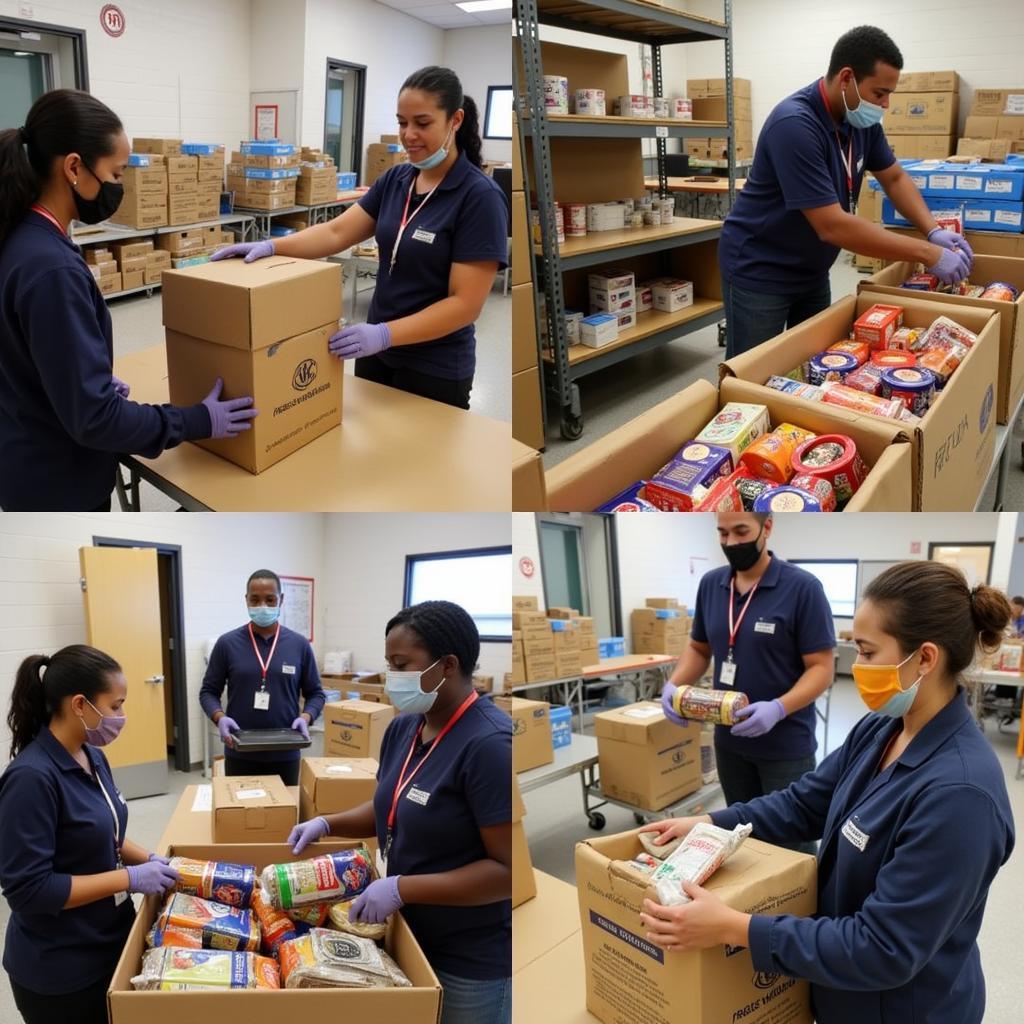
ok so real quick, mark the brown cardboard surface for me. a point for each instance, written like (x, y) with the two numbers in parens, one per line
(922, 113)
(141, 210)
(368, 687)
(1010, 378)
(992, 102)
(929, 81)
(701, 88)
(328, 785)
(531, 732)
(253, 809)
(527, 425)
(524, 884)
(528, 494)
(585, 69)
(543, 923)
(355, 728)
(981, 126)
(517, 157)
(984, 149)
(522, 268)
(524, 328)
(552, 988)
(919, 147)
(989, 243)
(713, 108)
(165, 146)
(573, 162)
(374, 462)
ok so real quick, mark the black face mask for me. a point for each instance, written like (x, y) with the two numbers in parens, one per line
(743, 556)
(108, 199)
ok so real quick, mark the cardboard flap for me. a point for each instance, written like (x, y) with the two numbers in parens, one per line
(255, 817)
(528, 485)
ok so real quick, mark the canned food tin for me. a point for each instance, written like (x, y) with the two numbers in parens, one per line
(703, 705)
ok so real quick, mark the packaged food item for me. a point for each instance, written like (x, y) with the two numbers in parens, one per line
(858, 349)
(735, 426)
(787, 499)
(645, 862)
(683, 109)
(659, 852)
(329, 959)
(789, 386)
(173, 969)
(556, 94)
(901, 340)
(892, 359)
(703, 705)
(701, 853)
(915, 387)
(575, 220)
(723, 495)
(860, 401)
(877, 324)
(1000, 290)
(866, 378)
(830, 366)
(632, 499)
(341, 918)
(331, 877)
(695, 465)
(921, 282)
(216, 880)
(750, 489)
(941, 331)
(965, 288)
(835, 458)
(770, 456)
(314, 915)
(817, 486)
(951, 221)
(275, 925)
(590, 102)
(219, 926)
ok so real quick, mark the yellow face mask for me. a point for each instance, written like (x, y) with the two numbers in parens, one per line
(880, 688)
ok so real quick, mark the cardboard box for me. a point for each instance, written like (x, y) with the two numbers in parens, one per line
(988, 242)
(517, 157)
(355, 728)
(133, 279)
(539, 666)
(144, 179)
(528, 493)
(981, 126)
(992, 102)
(533, 625)
(984, 149)
(1010, 377)
(703, 88)
(522, 251)
(368, 685)
(264, 328)
(953, 445)
(525, 603)
(420, 1004)
(328, 785)
(631, 980)
(258, 201)
(518, 672)
(654, 633)
(524, 885)
(109, 284)
(644, 759)
(130, 264)
(153, 274)
(253, 809)
(929, 81)
(483, 683)
(1011, 127)
(531, 732)
(921, 147)
(527, 414)
(922, 113)
(524, 329)
(714, 109)
(181, 242)
(141, 210)
(164, 146)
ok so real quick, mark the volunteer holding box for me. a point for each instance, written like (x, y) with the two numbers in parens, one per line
(265, 667)
(66, 864)
(796, 210)
(912, 813)
(64, 417)
(442, 813)
(769, 626)
(442, 228)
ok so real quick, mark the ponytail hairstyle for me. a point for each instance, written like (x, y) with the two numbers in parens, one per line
(42, 683)
(929, 602)
(60, 122)
(445, 85)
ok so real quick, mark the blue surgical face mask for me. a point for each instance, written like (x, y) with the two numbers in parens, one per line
(866, 114)
(263, 616)
(404, 691)
(435, 159)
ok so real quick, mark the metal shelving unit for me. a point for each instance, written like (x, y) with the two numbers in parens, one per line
(654, 27)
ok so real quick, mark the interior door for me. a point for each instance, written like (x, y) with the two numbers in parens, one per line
(121, 590)
(564, 565)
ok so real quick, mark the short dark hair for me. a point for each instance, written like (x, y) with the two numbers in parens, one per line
(1017, 600)
(264, 574)
(445, 628)
(861, 49)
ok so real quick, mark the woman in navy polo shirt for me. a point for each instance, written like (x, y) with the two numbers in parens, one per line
(64, 416)
(66, 864)
(442, 813)
(441, 226)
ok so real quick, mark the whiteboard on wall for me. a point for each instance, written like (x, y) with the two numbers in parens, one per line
(287, 114)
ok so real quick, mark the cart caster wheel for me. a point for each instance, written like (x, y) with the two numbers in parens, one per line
(572, 427)
(639, 819)
(597, 821)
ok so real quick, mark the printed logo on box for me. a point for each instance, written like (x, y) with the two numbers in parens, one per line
(304, 375)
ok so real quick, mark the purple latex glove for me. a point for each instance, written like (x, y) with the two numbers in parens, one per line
(156, 856)
(952, 268)
(152, 878)
(301, 725)
(228, 418)
(307, 832)
(121, 387)
(379, 900)
(666, 705)
(250, 250)
(226, 726)
(360, 340)
(758, 718)
(950, 240)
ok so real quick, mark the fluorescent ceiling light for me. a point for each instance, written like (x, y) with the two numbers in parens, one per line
(22, 53)
(473, 6)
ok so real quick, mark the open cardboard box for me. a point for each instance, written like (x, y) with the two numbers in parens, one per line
(955, 441)
(420, 1004)
(641, 447)
(528, 494)
(987, 269)
(524, 884)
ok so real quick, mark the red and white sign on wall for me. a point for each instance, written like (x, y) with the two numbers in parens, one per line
(112, 20)
(526, 567)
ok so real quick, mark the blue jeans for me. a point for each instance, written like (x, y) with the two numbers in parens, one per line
(468, 1001)
(754, 317)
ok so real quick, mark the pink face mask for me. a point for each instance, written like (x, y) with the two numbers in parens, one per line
(108, 729)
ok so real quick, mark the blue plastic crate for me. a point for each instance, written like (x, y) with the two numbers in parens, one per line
(347, 180)
(978, 214)
(612, 647)
(138, 160)
(561, 726)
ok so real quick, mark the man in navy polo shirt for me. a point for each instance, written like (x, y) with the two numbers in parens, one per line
(770, 630)
(797, 209)
(265, 667)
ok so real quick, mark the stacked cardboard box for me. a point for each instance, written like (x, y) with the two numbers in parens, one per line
(133, 258)
(538, 645)
(145, 194)
(589, 654)
(264, 175)
(317, 184)
(566, 639)
(104, 269)
(869, 206)
(209, 178)
(995, 125)
(524, 883)
(923, 116)
(355, 728)
(382, 156)
(659, 628)
(709, 104)
(518, 673)
(531, 732)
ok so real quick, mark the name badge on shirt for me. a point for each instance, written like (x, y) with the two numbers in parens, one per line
(424, 236)
(855, 835)
(765, 627)
(382, 865)
(860, 163)
(417, 796)
(119, 898)
(727, 676)
(288, 670)
(262, 700)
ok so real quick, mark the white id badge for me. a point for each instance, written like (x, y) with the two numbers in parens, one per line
(727, 677)
(119, 898)
(382, 865)
(262, 701)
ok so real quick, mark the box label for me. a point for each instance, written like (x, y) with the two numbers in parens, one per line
(642, 713)
(998, 186)
(637, 943)
(1007, 217)
(250, 794)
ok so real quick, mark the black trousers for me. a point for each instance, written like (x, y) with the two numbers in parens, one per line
(439, 389)
(288, 770)
(88, 1006)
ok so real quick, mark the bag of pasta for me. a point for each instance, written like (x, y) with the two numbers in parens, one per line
(172, 969)
(329, 878)
(328, 959)
(275, 925)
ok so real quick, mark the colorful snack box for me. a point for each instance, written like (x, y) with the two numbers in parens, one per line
(770, 456)
(632, 499)
(735, 427)
(220, 926)
(724, 495)
(892, 359)
(901, 341)
(867, 378)
(858, 349)
(173, 969)
(877, 324)
(696, 465)
(921, 282)
(817, 486)
(861, 401)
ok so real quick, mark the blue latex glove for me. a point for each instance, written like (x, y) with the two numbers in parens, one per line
(307, 832)
(379, 900)
(666, 705)
(120, 386)
(301, 725)
(950, 240)
(226, 726)
(952, 268)
(152, 878)
(758, 718)
(360, 340)
(250, 250)
(228, 418)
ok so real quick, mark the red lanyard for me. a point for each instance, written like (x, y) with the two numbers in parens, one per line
(49, 216)
(848, 159)
(403, 780)
(735, 628)
(264, 665)
(406, 218)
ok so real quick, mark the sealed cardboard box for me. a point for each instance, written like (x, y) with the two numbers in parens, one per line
(133, 279)
(141, 210)
(658, 630)
(534, 626)
(253, 809)
(994, 102)
(355, 728)
(661, 602)
(328, 785)
(631, 980)
(714, 109)
(920, 147)
(524, 329)
(929, 81)
(262, 327)
(109, 283)
(703, 88)
(526, 603)
(518, 664)
(981, 126)
(181, 241)
(531, 732)
(527, 421)
(367, 685)
(153, 274)
(524, 885)
(144, 179)
(165, 146)
(539, 666)
(522, 251)
(922, 113)
(644, 759)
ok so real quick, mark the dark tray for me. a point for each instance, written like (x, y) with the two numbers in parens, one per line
(254, 740)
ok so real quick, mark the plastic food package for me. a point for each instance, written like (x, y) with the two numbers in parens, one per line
(275, 925)
(219, 926)
(700, 704)
(341, 918)
(901, 340)
(313, 914)
(660, 852)
(860, 401)
(942, 330)
(331, 877)
(893, 359)
(789, 386)
(965, 288)
(921, 282)
(1001, 290)
(329, 959)
(866, 378)
(858, 349)
(942, 361)
(644, 862)
(221, 882)
(172, 969)
(699, 856)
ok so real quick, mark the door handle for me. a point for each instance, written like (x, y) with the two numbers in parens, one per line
(155, 679)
